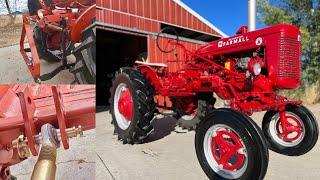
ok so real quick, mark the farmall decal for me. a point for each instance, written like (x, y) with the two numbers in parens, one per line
(235, 40)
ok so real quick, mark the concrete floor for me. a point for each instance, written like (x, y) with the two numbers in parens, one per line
(170, 154)
(14, 70)
(77, 163)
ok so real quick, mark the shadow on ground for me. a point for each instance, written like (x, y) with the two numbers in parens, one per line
(162, 128)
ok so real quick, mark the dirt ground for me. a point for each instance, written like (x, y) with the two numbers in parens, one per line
(10, 30)
(170, 154)
(77, 163)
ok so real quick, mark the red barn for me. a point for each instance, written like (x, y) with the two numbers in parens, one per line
(126, 31)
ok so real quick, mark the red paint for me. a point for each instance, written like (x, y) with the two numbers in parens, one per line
(288, 126)
(204, 70)
(282, 52)
(25, 108)
(227, 149)
(166, 11)
(125, 104)
(77, 22)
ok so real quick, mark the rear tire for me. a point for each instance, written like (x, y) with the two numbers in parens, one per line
(205, 105)
(85, 67)
(139, 127)
(249, 153)
(299, 146)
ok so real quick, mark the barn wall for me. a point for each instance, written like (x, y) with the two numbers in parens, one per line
(142, 14)
(174, 59)
(147, 16)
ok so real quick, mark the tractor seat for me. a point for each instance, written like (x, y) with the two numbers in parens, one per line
(152, 64)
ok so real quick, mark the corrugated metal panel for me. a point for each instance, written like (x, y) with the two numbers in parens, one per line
(99, 2)
(146, 15)
(147, 8)
(166, 11)
(124, 6)
(174, 59)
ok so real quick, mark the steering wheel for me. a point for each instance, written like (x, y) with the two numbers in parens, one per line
(163, 31)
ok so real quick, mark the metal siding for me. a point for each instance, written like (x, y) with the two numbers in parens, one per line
(99, 3)
(166, 10)
(160, 10)
(115, 5)
(139, 5)
(109, 17)
(147, 8)
(190, 21)
(132, 6)
(172, 12)
(124, 6)
(107, 3)
(174, 63)
(178, 17)
(184, 18)
(153, 10)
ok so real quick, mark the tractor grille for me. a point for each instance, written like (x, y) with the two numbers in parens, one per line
(289, 58)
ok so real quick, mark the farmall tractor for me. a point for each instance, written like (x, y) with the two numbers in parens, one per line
(35, 120)
(246, 71)
(56, 29)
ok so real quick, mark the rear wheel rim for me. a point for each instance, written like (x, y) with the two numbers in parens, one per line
(123, 106)
(295, 134)
(225, 152)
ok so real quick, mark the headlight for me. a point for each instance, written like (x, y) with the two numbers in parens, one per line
(256, 69)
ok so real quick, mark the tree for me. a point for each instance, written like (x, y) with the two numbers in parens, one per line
(306, 15)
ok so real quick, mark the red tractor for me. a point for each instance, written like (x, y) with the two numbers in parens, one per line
(246, 71)
(56, 29)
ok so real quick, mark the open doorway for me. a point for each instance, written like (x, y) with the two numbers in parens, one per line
(115, 50)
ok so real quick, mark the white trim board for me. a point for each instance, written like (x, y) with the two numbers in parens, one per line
(180, 3)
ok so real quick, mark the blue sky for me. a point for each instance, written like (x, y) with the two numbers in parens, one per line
(227, 15)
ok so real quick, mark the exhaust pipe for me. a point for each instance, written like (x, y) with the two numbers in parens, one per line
(251, 15)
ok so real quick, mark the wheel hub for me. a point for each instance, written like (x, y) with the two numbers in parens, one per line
(227, 150)
(125, 103)
(290, 129)
(287, 129)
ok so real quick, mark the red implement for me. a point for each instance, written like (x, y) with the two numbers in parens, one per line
(25, 108)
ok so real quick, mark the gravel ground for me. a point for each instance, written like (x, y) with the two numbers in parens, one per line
(170, 154)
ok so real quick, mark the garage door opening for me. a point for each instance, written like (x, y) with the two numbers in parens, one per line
(115, 50)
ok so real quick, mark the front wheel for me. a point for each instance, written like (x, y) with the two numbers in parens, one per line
(229, 145)
(296, 136)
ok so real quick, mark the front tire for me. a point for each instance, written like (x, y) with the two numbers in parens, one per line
(298, 141)
(132, 106)
(229, 145)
